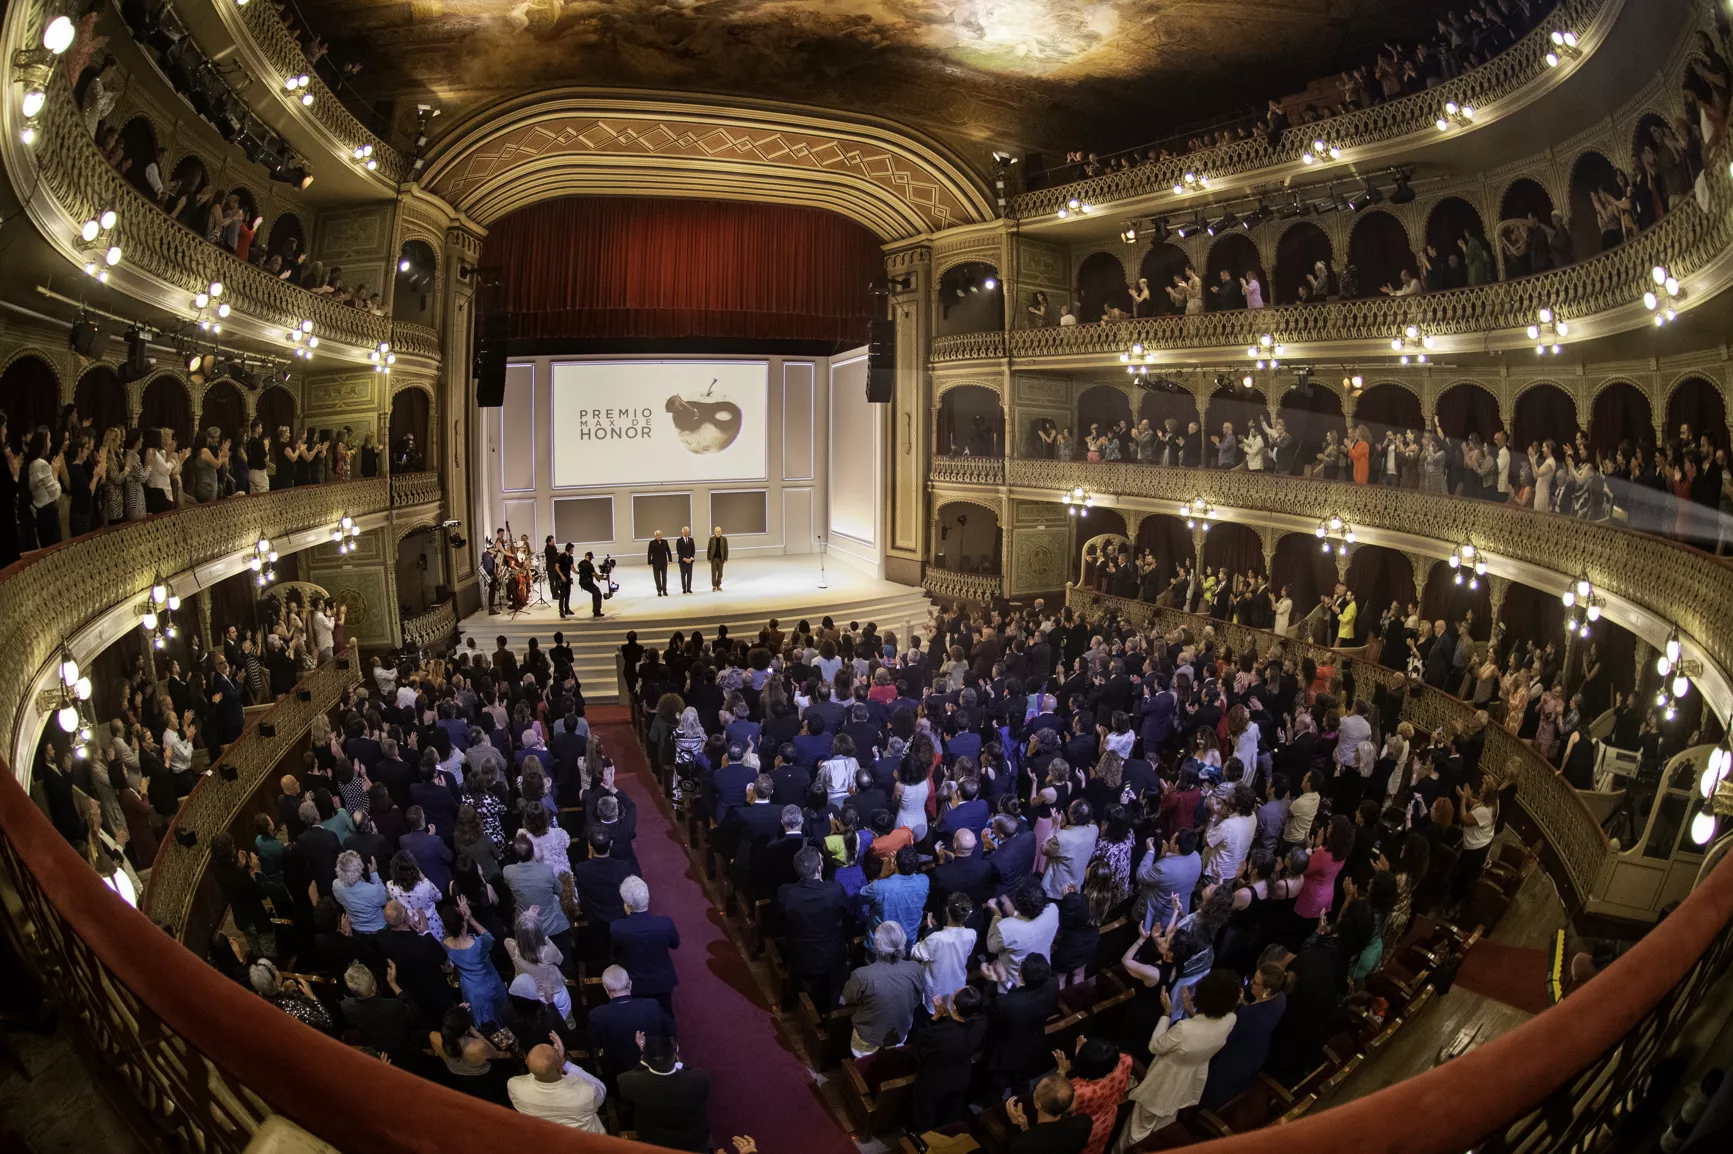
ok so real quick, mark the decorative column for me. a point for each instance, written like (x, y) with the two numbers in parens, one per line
(1267, 538)
(910, 272)
(452, 412)
(1133, 519)
(1343, 560)
(1645, 660)
(1422, 571)
(1500, 587)
(1198, 537)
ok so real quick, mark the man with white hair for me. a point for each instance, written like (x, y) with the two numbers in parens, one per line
(557, 1090)
(389, 1025)
(885, 993)
(641, 943)
(614, 1026)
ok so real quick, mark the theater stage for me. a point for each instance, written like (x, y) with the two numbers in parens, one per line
(754, 590)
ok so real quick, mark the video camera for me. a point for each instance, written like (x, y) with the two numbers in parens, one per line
(606, 571)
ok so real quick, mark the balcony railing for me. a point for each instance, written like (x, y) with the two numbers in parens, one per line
(1518, 66)
(217, 803)
(264, 23)
(984, 587)
(411, 489)
(430, 628)
(415, 340)
(50, 596)
(1579, 848)
(85, 185)
(1671, 582)
(969, 470)
(988, 346)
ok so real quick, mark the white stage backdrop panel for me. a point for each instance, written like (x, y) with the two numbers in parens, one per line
(618, 423)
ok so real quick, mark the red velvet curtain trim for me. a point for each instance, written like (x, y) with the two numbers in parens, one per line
(588, 267)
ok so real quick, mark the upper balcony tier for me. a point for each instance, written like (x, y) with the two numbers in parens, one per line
(1403, 129)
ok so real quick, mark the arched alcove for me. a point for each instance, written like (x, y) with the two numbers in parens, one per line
(276, 409)
(409, 419)
(1697, 402)
(1304, 570)
(971, 299)
(1621, 412)
(1298, 252)
(1592, 173)
(138, 144)
(1166, 539)
(1447, 598)
(1386, 406)
(1164, 401)
(1378, 250)
(1095, 546)
(971, 423)
(1234, 547)
(1159, 266)
(29, 396)
(412, 292)
(1523, 199)
(1543, 412)
(222, 406)
(167, 405)
(1235, 405)
(1103, 406)
(1100, 284)
(1450, 222)
(285, 228)
(191, 171)
(1310, 413)
(1235, 254)
(101, 399)
(1378, 576)
(420, 565)
(968, 539)
(1466, 408)
(1528, 614)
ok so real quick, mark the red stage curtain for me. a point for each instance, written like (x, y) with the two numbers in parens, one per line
(588, 267)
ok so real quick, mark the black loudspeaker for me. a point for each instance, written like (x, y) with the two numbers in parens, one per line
(881, 362)
(86, 339)
(487, 366)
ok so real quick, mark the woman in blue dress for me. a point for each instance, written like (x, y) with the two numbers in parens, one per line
(469, 946)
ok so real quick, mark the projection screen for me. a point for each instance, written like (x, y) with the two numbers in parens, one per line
(618, 423)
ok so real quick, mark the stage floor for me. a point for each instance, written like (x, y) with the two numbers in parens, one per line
(754, 590)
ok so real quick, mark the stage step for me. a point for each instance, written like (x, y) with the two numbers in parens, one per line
(894, 608)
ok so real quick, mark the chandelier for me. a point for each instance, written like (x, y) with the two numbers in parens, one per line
(1412, 344)
(263, 562)
(1334, 529)
(160, 629)
(1663, 299)
(73, 713)
(1548, 333)
(1197, 511)
(1466, 558)
(344, 534)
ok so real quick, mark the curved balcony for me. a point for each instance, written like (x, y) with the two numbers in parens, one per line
(1521, 65)
(217, 802)
(430, 628)
(1579, 852)
(411, 489)
(90, 584)
(1649, 584)
(969, 470)
(414, 340)
(261, 26)
(980, 587)
(81, 185)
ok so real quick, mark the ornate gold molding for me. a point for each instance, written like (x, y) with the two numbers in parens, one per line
(979, 587)
(576, 141)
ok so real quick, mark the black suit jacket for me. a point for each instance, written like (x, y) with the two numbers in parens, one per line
(671, 1110)
(613, 1028)
(686, 548)
(792, 782)
(396, 776)
(945, 1047)
(598, 884)
(420, 969)
(752, 827)
(815, 910)
(1016, 1045)
(1013, 860)
(972, 875)
(659, 553)
(641, 944)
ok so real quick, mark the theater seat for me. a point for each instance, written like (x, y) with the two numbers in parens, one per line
(877, 1089)
(1253, 1108)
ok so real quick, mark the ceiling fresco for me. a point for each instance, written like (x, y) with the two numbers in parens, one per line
(1048, 73)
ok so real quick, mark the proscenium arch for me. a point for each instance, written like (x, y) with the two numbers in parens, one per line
(576, 142)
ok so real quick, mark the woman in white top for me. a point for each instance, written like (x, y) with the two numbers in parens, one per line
(418, 896)
(1140, 298)
(1180, 1055)
(1252, 445)
(838, 771)
(1544, 469)
(1284, 611)
(47, 465)
(159, 466)
(1253, 290)
(1193, 292)
(912, 787)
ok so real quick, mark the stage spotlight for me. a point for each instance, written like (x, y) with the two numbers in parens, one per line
(1402, 193)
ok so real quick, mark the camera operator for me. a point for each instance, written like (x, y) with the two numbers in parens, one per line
(408, 459)
(587, 582)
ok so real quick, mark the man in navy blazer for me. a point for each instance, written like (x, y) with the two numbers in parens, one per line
(1156, 715)
(427, 848)
(614, 1025)
(1013, 859)
(642, 941)
(730, 780)
(597, 881)
(969, 812)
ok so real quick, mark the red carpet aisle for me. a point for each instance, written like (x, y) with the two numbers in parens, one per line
(1511, 974)
(759, 1087)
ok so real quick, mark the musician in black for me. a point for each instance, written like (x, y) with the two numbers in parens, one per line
(659, 553)
(587, 582)
(563, 566)
(551, 562)
(717, 552)
(687, 549)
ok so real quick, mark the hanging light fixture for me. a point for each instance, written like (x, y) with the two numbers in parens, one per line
(1548, 332)
(1468, 565)
(1197, 511)
(1412, 344)
(263, 562)
(1663, 300)
(1335, 534)
(1564, 47)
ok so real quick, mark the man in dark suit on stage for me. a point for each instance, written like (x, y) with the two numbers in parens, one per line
(687, 550)
(551, 558)
(717, 553)
(659, 552)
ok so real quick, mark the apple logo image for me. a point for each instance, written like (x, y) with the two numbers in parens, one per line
(702, 424)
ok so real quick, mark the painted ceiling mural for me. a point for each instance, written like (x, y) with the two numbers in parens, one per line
(987, 71)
